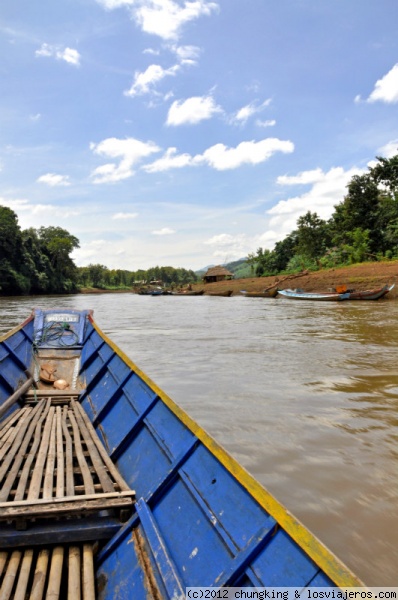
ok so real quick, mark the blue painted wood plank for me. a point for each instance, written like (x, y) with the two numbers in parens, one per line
(166, 567)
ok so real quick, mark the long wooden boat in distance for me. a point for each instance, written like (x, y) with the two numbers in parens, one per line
(225, 294)
(321, 296)
(271, 293)
(111, 490)
(374, 294)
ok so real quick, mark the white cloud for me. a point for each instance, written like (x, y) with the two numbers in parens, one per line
(222, 158)
(386, 88)
(192, 111)
(244, 113)
(24, 206)
(328, 189)
(123, 216)
(130, 151)
(229, 246)
(69, 55)
(268, 123)
(45, 50)
(170, 160)
(164, 18)
(390, 149)
(163, 231)
(54, 180)
(145, 81)
(186, 54)
(302, 178)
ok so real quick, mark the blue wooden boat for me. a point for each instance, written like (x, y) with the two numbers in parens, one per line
(108, 488)
(322, 296)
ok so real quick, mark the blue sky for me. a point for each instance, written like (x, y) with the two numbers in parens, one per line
(189, 133)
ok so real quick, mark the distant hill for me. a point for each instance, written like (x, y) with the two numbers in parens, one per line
(239, 268)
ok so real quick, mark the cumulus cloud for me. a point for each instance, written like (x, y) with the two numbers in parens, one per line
(186, 54)
(145, 82)
(123, 216)
(164, 231)
(222, 158)
(328, 189)
(130, 152)
(54, 180)
(244, 113)
(69, 55)
(164, 18)
(302, 178)
(267, 123)
(386, 88)
(389, 150)
(192, 111)
(170, 160)
(24, 206)
(229, 246)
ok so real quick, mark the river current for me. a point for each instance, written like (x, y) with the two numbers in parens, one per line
(303, 394)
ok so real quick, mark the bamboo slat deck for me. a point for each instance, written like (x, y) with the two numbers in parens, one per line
(52, 572)
(51, 452)
(53, 466)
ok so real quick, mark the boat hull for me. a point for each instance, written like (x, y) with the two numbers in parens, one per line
(375, 294)
(321, 297)
(266, 294)
(199, 518)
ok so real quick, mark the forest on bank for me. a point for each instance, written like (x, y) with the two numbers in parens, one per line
(363, 227)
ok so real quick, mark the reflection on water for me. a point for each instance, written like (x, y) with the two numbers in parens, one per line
(304, 395)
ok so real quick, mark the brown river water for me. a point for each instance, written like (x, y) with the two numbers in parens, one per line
(303, 394)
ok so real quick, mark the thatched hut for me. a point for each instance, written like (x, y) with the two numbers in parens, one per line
(217, 274)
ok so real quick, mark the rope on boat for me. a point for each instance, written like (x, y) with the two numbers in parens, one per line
(53, 333)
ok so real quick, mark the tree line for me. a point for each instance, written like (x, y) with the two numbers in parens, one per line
(99, 276)
(38, 261)
(35, 261)
(363, 227)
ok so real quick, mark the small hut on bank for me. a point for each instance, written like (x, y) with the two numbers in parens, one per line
(217, 274)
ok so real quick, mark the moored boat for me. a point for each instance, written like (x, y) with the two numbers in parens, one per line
(321, 296)
(189, 293)
(270, 293)
(342, 293)
(374, 294)
(112, 482)
(225, 294)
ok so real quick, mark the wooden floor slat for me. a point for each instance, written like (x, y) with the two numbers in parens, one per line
(53, 452)
(53, 466)
(49, 573)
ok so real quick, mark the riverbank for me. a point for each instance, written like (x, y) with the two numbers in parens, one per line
(359, 277)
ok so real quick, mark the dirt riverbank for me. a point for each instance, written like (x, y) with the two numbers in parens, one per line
(360, 277)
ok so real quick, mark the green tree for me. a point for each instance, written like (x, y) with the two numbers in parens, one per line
(312, 236)
(284, 251)
(359, 209)
(385, 172)
(12, 281)
(358, 250)
(58, 244)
